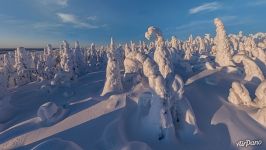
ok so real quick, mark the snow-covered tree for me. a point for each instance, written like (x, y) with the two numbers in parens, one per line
(161, 54)
(260, 99)
(79, 59)
(223, 55)
(49, 63)
(9, 72)
(67, 63)
(21, 65)
(239, 95)
(3, 84)
(113, 81)
(252, 70)
(127, 49)
(260, 58)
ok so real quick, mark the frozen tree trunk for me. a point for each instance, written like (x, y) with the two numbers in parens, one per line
(113, 81)
(223, 55)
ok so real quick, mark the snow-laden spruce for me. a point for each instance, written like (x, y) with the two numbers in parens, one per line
(239, 95)
(113, 83)
(260, 99)
(136, 63)
(8, 73)
(67, 62)
(22, 66)
(49, 63)
(260, 58)
(3, 85)
(252, 70)
(223, 55)
(183, 115)
(191, 55)
(79, 59)
(161, 54)
(171, 106)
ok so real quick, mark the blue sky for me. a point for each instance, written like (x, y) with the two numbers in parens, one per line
(34, 23)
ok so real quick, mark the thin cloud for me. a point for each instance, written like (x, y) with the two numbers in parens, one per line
(63, 3)
(72, 19)
(193, 25)
(92, 18)
(203, 24)
(205, 7)
(46, 25)
(257, 3)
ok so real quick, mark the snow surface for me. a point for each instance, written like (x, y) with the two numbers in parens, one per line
(118, 122)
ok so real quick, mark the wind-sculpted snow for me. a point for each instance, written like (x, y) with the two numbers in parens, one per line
(172, 101)
(240, 96)
(50, 113)
(57, 143)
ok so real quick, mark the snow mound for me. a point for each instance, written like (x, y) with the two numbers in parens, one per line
(187, 120)
(5, 109)
(260, 116)
(50, 113)
(135, 145)
(57, 144)
(239, 96)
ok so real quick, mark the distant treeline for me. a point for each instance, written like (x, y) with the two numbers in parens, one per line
(4, 50)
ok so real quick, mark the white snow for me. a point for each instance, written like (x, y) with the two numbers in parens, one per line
(57, 144)
(50, 113)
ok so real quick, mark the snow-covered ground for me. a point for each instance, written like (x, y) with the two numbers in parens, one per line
(203, 93)
(96, 122)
